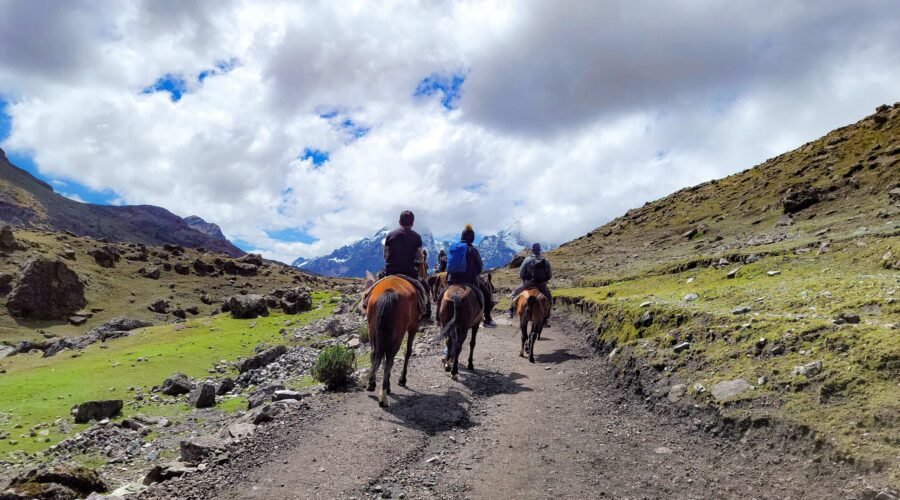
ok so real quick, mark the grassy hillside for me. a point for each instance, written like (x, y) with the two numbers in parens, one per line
(30, 203)
(814, 237)
(38, 392)
(123, 291)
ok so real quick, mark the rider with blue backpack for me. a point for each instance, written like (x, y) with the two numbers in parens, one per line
(464, 267)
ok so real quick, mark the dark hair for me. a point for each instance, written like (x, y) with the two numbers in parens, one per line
(468, 234)
(407, 218)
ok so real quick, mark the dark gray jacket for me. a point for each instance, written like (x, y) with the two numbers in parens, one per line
(525, 270)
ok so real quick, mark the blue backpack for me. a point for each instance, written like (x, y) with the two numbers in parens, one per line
(456, 258)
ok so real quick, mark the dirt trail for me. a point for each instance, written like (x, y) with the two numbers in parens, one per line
(555, 429)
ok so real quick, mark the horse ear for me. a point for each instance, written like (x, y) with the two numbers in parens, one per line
(489, 279)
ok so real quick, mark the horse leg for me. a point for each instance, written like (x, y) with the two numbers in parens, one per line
(472, 347)
(449, 355)
(375, 356)
(386, 379)
(535, 331)
(523, 325)
(454, 372)
(410, 338)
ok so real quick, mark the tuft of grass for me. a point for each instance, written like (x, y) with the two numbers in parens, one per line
(335, 366)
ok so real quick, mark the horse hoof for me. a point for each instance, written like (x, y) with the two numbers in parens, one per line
(471, 366)
(454, 377)
(371, 388)
(402, 383)
(446, 368)
(383, 404)
(531, 360)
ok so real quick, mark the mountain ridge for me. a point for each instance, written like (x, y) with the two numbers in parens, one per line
(28, 202)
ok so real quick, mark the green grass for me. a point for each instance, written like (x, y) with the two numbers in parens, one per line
(854, 402)
(39, 390)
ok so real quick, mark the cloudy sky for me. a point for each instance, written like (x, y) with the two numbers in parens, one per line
(301, 126)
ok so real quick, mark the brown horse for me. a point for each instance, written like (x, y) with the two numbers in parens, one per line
(533, 306)
(438, 283)
(392, 311)
(459, 312)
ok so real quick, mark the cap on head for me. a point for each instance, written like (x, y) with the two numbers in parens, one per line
(536, 249)
(468, 234)
(407, 218)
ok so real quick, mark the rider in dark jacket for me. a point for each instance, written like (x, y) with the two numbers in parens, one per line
(526, 274)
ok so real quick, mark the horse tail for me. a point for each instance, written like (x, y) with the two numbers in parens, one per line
(529, 307)
(450, 327)
(385, 307)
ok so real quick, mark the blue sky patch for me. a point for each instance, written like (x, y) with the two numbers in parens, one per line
(293, 235)
(354, 129)
(474, 187)
(318, 157)
(447, 86)
(219, 68)
(175, 85)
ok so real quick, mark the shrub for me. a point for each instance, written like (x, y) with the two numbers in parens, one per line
(335, 366)
(363, 333)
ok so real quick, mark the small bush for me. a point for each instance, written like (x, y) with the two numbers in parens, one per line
(335, 366)
(363, 333)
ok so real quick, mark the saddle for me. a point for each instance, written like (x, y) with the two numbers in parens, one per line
(421, 291)
(469, 288)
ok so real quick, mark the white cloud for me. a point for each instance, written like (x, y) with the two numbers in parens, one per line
(568, 116)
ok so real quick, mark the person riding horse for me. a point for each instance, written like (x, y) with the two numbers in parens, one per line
(403, 255)
(471, 275)
(441, 266)
(534, 272)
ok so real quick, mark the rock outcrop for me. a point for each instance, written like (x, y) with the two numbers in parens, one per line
(46, 289)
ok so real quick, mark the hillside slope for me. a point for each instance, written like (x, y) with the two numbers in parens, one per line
(30, 203)
(769, 295)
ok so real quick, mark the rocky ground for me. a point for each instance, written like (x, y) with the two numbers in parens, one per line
(568, 426)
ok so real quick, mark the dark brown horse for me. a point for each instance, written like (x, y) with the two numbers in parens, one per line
(532, 306)
(392, 311)
(459, 312)
(438, 283)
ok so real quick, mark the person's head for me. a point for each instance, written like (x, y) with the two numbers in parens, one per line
(468, 234)
(442, 253)
(407, 218)
(536, 249)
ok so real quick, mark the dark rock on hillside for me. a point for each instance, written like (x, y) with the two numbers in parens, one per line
(240, 268)
(176, 385)
(801, 198)
(97, 410)
(296, 301)
(56, 482)
(8, 240)
(262, 359)
(246, 306)
(225, 386)
(159, 306)
(262, 396)
(105, 256)
(6, 282)
(203, 396)
(894, 195)
(182, 269)
(46, 289)
(151, 273)
(197, 450)
(202, 268)
(112, 329)
(252, 258)
(165, 472)
(516, 262)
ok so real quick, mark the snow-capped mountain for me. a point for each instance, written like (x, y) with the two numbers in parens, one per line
(368, 254)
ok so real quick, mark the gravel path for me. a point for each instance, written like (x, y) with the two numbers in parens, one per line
(555, 429)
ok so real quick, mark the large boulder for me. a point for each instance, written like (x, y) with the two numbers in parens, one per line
(246, 306)
(296, 301)
(159, 306)
(202, 268)
(261, 359)
(97, 410)
(8, 240)
(46, 289)
(239, 268)
(204, 396)
(177, 384)
(198, 449)
(57, 482)
(800, 198)
(105, 256)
